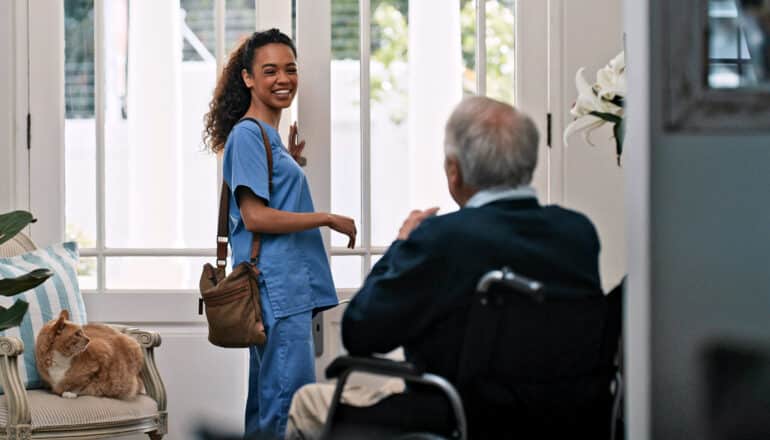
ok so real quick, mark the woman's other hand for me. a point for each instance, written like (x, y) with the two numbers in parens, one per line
(296, 146)
(344, 225)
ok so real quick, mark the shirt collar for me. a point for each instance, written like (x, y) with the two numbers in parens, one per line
(490, 195)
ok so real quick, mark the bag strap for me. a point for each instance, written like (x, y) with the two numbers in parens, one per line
(223, 225)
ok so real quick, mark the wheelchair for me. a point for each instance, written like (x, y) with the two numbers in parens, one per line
(549, 368)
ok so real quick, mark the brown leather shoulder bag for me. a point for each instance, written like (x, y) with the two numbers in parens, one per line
(233, 310)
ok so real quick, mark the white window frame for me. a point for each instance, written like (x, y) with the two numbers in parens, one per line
(46, 159)
(533, 99)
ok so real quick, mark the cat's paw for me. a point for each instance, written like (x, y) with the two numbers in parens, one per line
(68, 395)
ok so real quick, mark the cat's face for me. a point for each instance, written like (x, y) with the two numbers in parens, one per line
(68, 337)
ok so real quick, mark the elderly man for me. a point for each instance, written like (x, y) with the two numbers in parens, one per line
(418, 294)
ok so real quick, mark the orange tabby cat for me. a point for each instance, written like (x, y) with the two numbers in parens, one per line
(94, 359)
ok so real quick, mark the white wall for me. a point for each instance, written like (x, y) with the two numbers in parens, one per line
(46, 105)
(7, 174)
(710, 249)
(585, 177)
(700, 203)
(636, 321)
(13, 107)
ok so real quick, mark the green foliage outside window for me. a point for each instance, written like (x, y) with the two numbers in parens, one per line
(391, 52)
(390, 40)
(500, 47)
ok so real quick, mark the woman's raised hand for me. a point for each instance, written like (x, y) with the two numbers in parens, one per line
(344, 225)
(296, 146)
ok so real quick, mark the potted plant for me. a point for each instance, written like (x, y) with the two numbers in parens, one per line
(10, 225)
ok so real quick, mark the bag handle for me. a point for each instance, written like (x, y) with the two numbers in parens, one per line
(223, 225)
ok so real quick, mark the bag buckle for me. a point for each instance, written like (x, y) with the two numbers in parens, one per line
(221, 239)
(221, 263)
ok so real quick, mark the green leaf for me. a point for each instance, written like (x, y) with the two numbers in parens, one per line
(619, 130)
(13, 222)
(12, 286)
(609, 117)
(13, 316)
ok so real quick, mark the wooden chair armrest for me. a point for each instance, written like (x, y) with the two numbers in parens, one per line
(148, 340)
(11, 346)
(16, 395)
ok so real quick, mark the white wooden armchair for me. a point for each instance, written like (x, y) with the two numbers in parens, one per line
(40, 414)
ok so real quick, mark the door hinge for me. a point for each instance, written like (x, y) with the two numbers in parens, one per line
(29, 131)
(548, 129)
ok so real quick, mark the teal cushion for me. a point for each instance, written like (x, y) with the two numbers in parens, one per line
(59, 292)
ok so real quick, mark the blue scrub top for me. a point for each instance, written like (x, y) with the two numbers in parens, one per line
(294, 267)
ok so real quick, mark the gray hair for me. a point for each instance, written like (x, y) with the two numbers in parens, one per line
(495, 144)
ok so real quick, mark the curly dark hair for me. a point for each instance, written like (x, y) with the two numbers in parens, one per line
(231, 96)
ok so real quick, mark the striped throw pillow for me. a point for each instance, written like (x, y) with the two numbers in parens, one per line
(59, 292)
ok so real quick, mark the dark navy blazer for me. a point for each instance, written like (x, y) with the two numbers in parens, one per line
(418, 295)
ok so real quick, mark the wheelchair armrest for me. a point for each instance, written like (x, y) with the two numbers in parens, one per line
(386, 367)
(342, 366)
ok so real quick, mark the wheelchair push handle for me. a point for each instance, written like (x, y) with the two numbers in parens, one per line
(526, 286)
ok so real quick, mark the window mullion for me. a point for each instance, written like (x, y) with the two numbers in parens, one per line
(148, 252)
(481, 48)
(373, 250)
(364, 25)
(99, 120)
(219, 30)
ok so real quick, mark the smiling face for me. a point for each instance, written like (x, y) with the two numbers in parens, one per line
(273, 79)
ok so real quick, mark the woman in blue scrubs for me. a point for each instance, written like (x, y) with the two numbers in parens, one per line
(258, 82)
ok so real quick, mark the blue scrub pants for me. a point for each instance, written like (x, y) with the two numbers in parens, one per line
(277, 369)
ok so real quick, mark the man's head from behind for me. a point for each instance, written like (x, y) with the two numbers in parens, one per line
(488, 144)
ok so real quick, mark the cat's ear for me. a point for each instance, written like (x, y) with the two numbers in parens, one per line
(65, 314)
(59, 326)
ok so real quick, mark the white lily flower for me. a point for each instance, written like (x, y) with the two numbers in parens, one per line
(586, 100)
(618, 63)
(587, 124)
(611, 79)
(597, 99)
(590, 100)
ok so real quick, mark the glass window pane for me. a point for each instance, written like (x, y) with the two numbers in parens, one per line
(240, 21)
(468, 44)
(500, 47)
(346, 270)
(389, 104)
(500, 50)
(723, 41)
(345, 116)
(736, 44)
(160, 186)
(198, 37)
(154, 273)
(416, 80)
(724, 76)
(87, 273)
(79, 128)
(374, 259)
